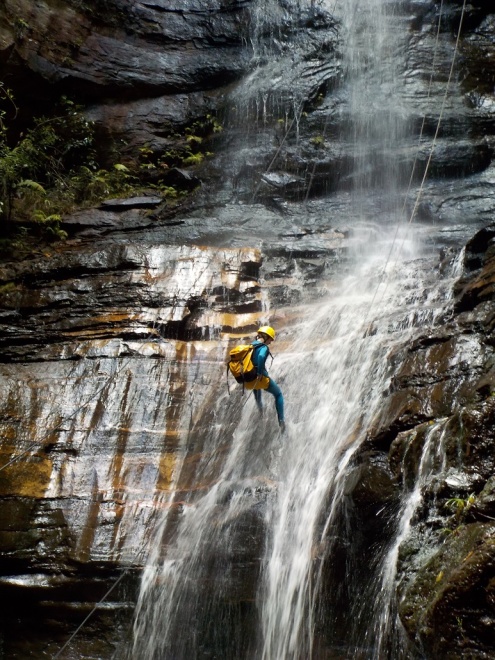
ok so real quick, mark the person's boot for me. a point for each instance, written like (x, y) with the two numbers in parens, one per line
(282, 426)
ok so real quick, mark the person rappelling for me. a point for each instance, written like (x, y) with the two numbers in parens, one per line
(248, 365)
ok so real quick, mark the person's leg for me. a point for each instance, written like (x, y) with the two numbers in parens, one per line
(259, 402)
(274, 389)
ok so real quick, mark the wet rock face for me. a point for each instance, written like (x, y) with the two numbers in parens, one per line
(145, 71)
(112, 383)
(449, 606)
(146, 49)
(158, 59)
(174, 293)
(79, 488)
(443, 399)
(113, 345)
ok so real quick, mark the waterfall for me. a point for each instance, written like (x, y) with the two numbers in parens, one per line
(342, 375)
(338, 390)
(283, 499)
(373, 44)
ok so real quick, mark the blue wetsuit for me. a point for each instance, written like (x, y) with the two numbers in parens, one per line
(259, 359)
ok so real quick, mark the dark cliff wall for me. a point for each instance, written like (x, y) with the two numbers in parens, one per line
(138, 296)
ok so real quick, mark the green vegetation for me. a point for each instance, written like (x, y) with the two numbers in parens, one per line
(39, 168)
(459, 506)
(21, 27)
(8, 287)
(53, 167)
(188, 151)
(193, 159)
(318, 141)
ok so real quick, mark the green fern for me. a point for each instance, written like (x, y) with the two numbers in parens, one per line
(32, 185)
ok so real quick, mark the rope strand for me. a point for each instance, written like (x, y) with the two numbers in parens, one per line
(428, 162)
(90, 614)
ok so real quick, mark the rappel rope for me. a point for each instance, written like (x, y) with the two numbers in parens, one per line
(151, 335)
(272, 162)
(81, 625)
(440, 117)
(413, 213)
(430, 156)
(247, 398)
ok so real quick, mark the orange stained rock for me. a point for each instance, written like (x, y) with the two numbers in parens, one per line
(166, 469)
(184, 350)
(240, 322)
(26, 477)
(8, 433)
(114, 318)
(88, 531)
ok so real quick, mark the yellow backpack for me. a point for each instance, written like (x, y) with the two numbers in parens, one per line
(241, 366)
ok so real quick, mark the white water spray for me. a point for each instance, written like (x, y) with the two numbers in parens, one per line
(333, 372)
(342, 373)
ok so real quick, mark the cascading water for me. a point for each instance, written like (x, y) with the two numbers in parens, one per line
(373, 44)
(336, 397)
(342, 377)
(348, 366)
(333, 371)
(384, 637)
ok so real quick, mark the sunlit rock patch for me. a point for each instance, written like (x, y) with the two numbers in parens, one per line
(133, 292)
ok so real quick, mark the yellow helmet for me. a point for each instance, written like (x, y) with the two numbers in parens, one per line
(267, 330)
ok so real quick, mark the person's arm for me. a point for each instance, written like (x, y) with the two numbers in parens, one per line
(262, 355)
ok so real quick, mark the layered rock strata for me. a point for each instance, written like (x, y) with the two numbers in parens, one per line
(113, 344)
